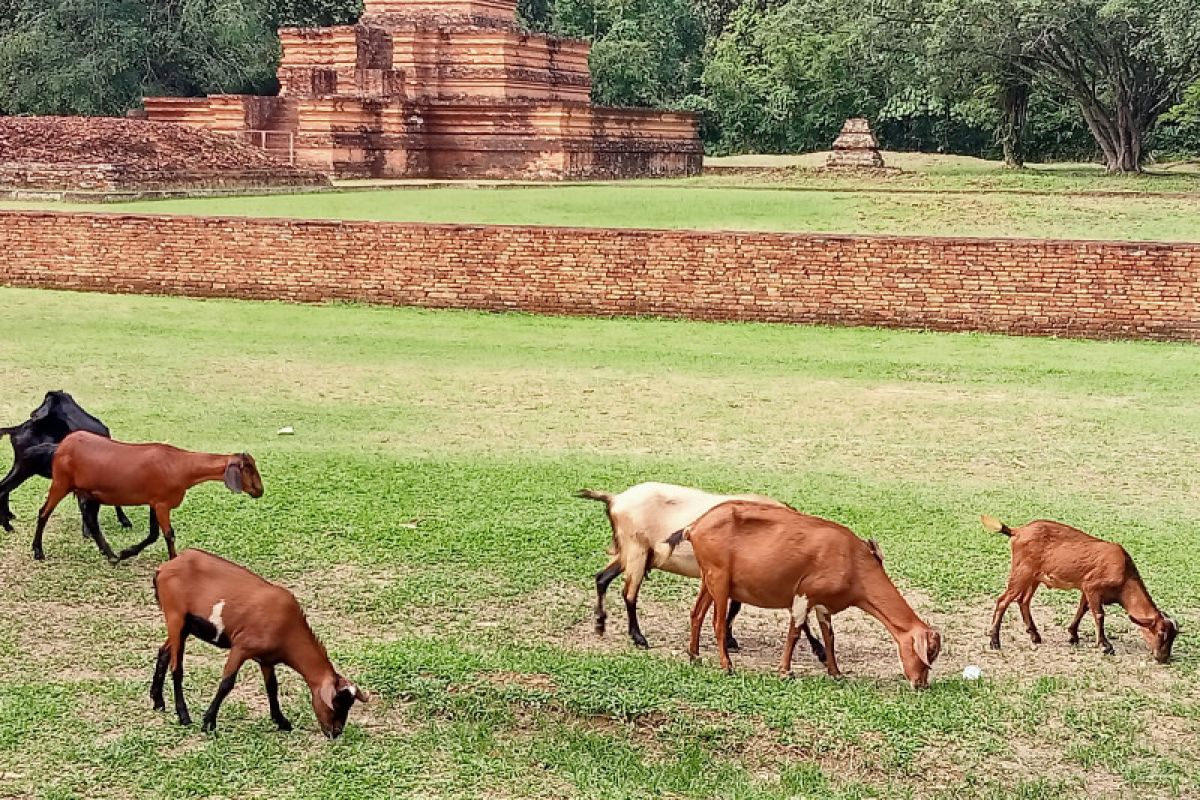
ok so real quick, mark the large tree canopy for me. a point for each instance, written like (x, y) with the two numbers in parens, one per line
(1023, 78)
(1123, 62)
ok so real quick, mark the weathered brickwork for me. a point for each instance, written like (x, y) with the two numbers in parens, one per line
(1068, 288)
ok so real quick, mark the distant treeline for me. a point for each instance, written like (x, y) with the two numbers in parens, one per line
(1038, 80)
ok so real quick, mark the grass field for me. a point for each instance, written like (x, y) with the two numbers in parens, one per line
(473, 627)
(942, 195)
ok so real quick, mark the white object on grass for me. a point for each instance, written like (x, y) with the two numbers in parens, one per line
(972, 672)
(287, 430)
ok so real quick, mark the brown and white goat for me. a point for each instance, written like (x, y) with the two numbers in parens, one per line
(120, 474)
(775, 557)
(205, 596)
(642, 517)
(1046, 553)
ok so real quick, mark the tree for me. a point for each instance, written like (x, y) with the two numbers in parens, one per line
(644, 52)
(1123, 62)
(102, 56)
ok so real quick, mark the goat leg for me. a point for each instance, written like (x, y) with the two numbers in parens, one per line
(699, 612)
(826, 623)
(134, 549)
(17, 475)
(122, 519)
(90, 509)
(1073, 628)
(53, 498)
(731, 644)
(603, 578)
(1002, 605)
(228, 678)
(160, 677)
(1027, 614)
(813, 642)
(1098, 614)
(268, 671)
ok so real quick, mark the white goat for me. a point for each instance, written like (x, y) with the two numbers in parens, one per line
(644, 515)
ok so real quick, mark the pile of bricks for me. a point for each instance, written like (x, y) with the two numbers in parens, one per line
(105, 153)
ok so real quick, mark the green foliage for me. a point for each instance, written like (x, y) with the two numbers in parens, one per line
(785, 79)
(1123, 62)
(1180, 135)
(644, 52)
(311, 13)
(102, 56)
(773, 76)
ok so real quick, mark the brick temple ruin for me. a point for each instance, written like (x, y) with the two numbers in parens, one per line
(426, 89)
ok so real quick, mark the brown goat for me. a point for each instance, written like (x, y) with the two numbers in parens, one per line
(156, 475)
(775, 557)
(1058, 556)
(229, 606)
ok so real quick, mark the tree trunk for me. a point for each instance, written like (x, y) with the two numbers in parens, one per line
(1119, 133)
(1014, 107)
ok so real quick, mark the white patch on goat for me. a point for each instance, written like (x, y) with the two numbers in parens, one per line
(215, 618)
(799, 609)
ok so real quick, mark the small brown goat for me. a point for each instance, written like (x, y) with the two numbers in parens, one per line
(156, 475)
(775, 557)
(229, 606)
(1060, 557)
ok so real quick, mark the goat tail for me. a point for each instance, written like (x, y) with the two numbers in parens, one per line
(995, 526)
(6, 431)
(594, 494)
(665, 549)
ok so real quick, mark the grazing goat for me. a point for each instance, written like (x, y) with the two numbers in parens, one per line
(155, 475)
(775, 557)
(642, 517)
(1060, 557)
(34, 441)
(229, 606)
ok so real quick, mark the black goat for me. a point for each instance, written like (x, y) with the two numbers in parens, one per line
(34, 442)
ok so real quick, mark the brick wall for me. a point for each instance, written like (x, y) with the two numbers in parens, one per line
(1069, 288)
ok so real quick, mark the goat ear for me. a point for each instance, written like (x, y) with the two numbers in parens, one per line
(361, 695)
(326, 693)
(43, 411)
(927, 645)
(233, 477)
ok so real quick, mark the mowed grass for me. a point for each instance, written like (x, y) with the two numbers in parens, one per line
(423, 514)
(971, 206)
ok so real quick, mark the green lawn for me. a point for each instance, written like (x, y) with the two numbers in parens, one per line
(942, 201)
(473, 627)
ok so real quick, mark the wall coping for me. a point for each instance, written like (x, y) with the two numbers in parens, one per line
(665, 233)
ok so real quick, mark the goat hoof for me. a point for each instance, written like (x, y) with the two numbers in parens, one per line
(38, 555)
(994, 644)
(732, 646)
(1109, 651)
(159, 705)
(284, 726)
(785, 676)
(1035, 639)
(185, 719)
(208, 726)
(1073, 641)
(641, 643)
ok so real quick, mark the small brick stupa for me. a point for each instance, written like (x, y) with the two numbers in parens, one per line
(443, 89)
(855, 147)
